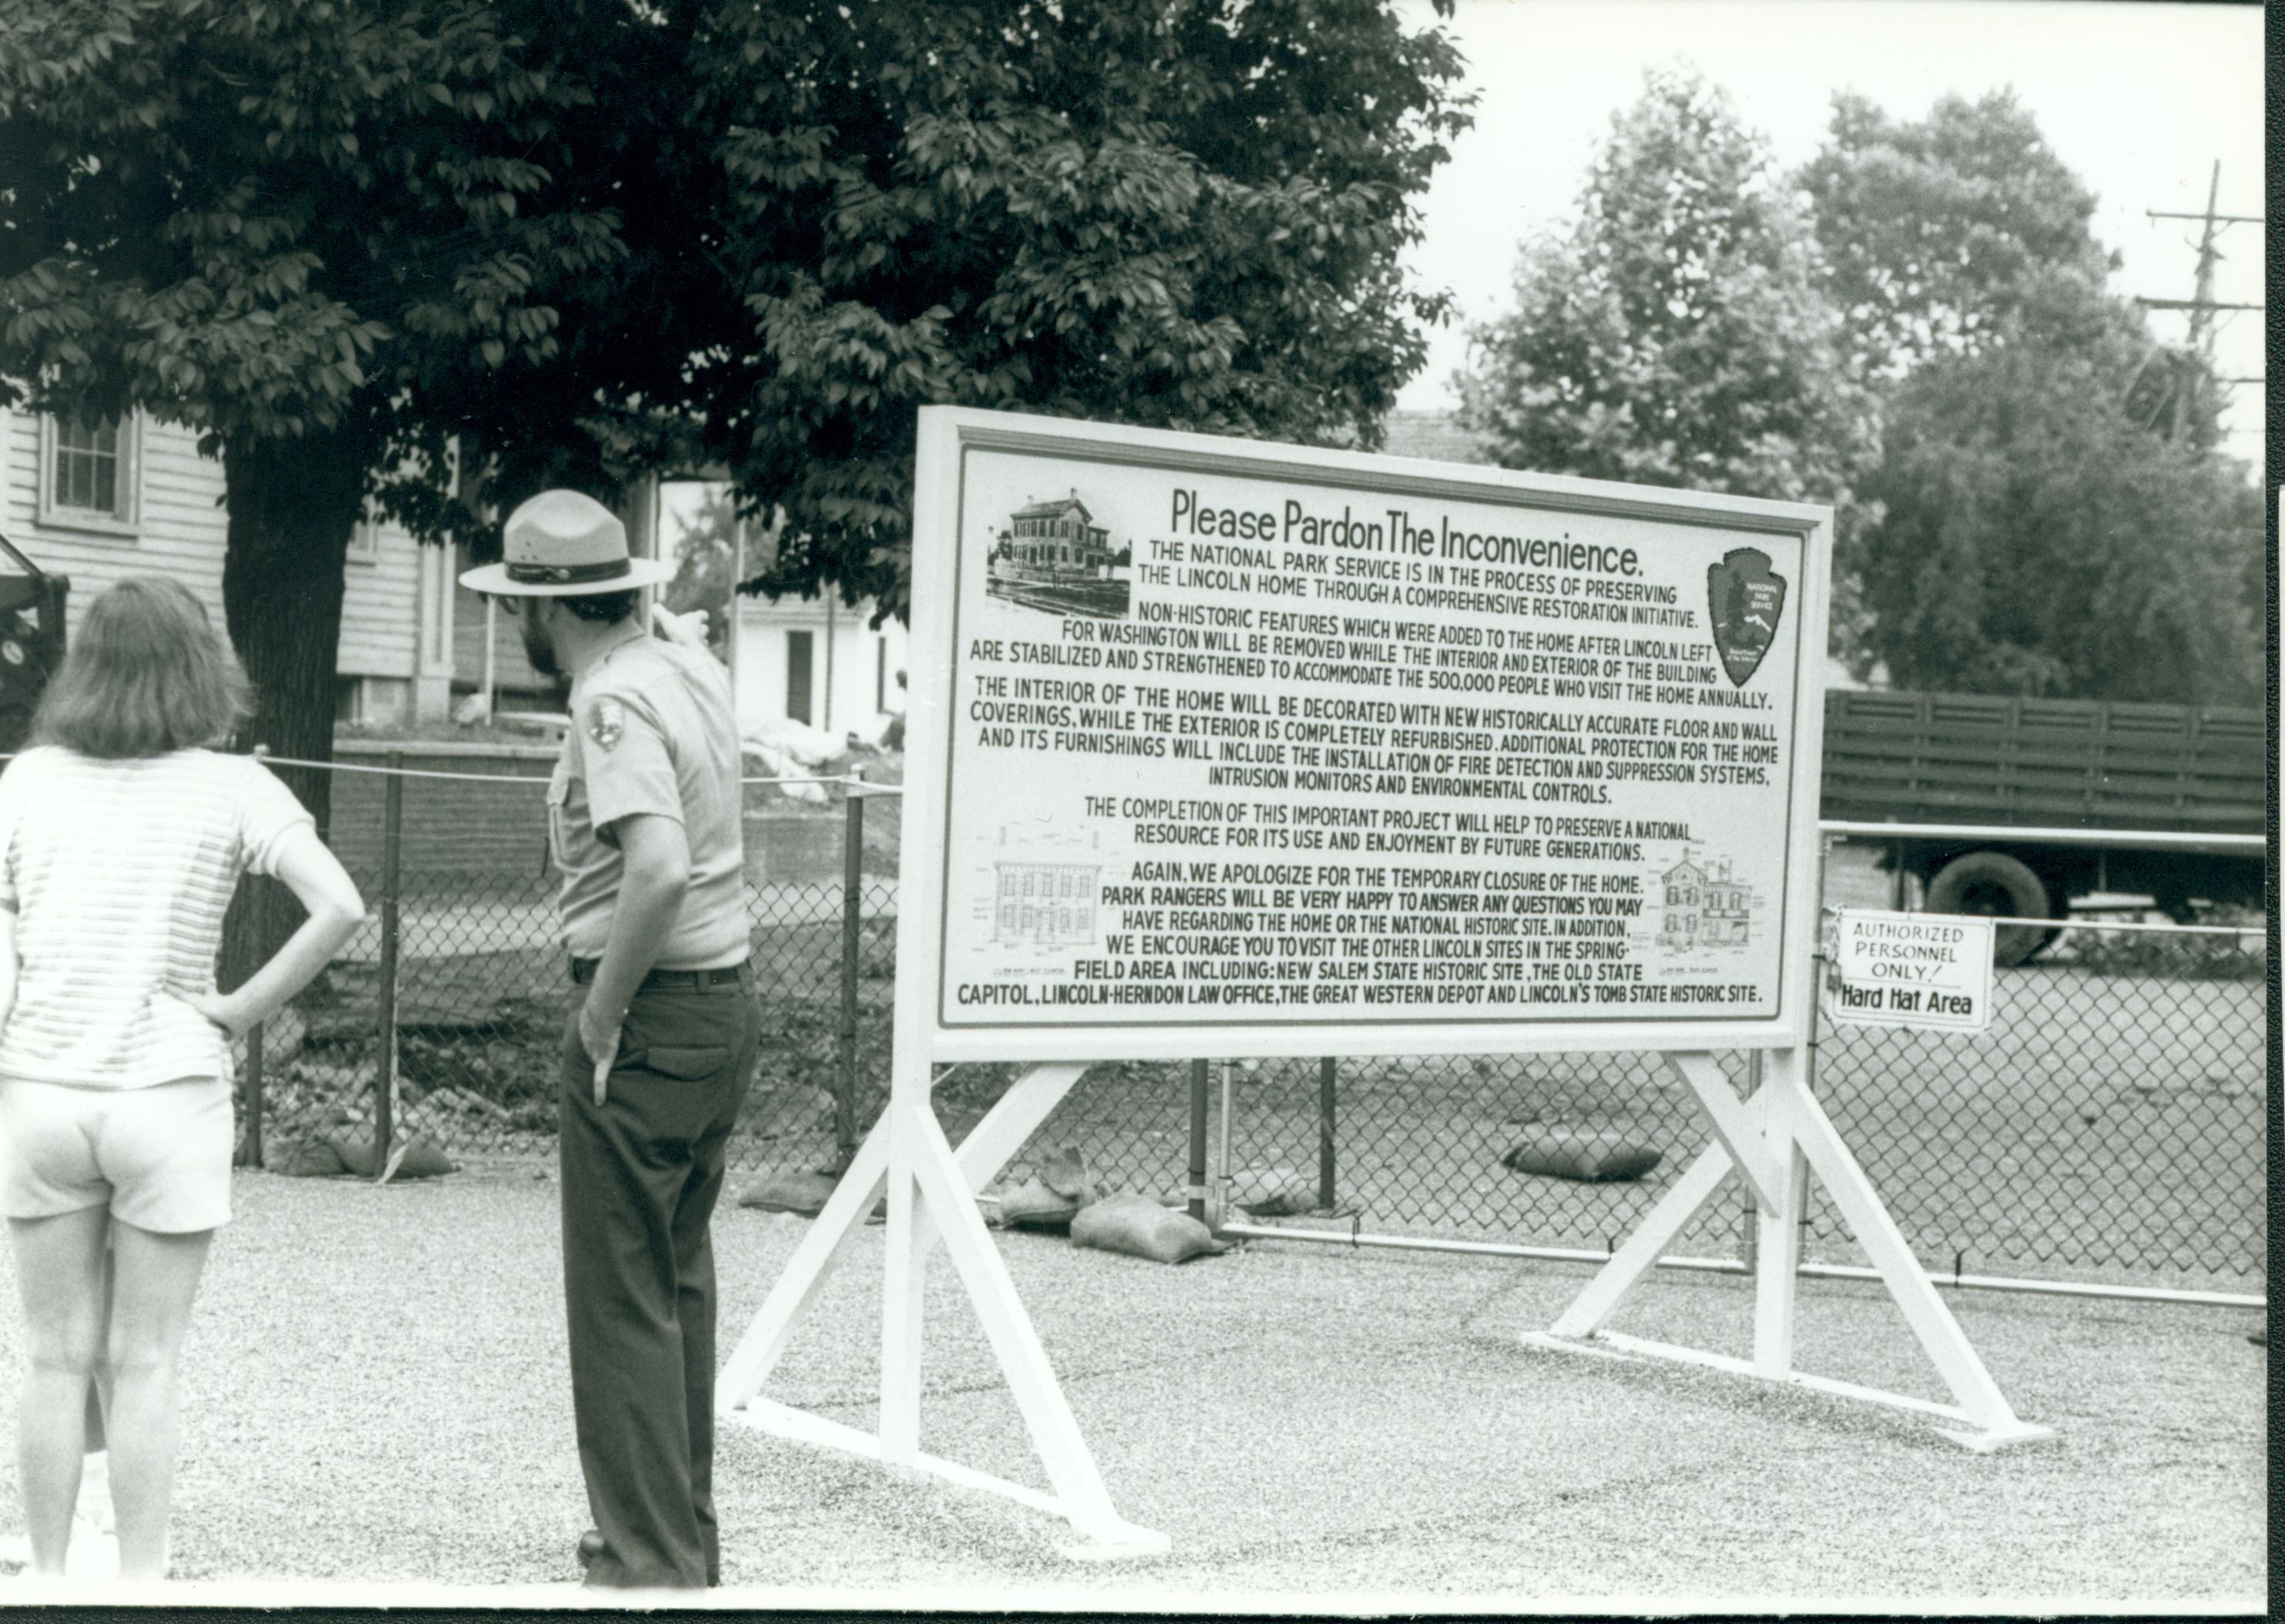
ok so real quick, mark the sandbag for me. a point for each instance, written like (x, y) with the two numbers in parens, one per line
(1592, 1156)
(790, 1190)
(1272, 1192)
(1139, 1226)
(423, 1158)
(1033, 1205)
(306, 1157)
(1065, 1172)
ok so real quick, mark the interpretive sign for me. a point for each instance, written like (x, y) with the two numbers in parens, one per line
(1227, 739)
(1911, 969)
(1218, 748)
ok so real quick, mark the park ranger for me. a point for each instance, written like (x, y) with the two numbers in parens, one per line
(643, 827)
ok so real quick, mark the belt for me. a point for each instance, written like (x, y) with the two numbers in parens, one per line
(583, 971)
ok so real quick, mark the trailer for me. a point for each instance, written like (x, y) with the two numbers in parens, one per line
(31, 641)
(2021, 808)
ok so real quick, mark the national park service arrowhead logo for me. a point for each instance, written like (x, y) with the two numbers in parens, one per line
(1745, 601)
(607, 722)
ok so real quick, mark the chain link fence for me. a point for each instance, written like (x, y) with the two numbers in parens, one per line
(2110, 1124)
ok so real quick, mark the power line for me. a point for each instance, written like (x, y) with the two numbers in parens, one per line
(2161, 213)
(2201, 304)
(2193, 304)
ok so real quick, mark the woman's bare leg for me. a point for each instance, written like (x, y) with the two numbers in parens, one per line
(60, 1275)
(155, 1280)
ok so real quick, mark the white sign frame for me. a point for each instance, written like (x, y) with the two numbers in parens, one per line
(1771, 1140)
(949, 437)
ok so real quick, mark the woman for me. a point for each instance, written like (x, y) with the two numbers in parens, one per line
(122, 835)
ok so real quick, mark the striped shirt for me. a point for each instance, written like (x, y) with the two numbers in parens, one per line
(119, 873)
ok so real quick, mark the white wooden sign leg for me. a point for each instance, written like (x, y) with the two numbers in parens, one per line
(1993, 1422)
(1048, 1416)
(901, 1274)
(1778, 1217)
(1639, 1251)
(1774, 1140)
(843, 1214)
(931, 1190)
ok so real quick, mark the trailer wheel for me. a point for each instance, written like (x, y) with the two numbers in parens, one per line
(1995, 885)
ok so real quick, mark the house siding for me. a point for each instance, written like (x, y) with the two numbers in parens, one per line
(179, 530)
(182, 531)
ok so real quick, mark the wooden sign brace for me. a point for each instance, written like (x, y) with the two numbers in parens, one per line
(931, 1190)
(1772, 1142)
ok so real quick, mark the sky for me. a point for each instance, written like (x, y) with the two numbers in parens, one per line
(2138, 99)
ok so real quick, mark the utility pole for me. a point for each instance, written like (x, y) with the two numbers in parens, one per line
(2201, 304)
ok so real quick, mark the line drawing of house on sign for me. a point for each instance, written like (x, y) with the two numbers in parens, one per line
(1705, 906)
(1048, 904)
(1045, 898)
(1052, 555)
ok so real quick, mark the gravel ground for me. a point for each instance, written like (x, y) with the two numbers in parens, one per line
(375, 1394)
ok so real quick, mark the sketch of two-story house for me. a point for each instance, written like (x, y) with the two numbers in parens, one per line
(1704, 906)
(1055, 540)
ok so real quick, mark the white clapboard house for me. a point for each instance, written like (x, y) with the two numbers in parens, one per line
(135, 497)
(817, 662)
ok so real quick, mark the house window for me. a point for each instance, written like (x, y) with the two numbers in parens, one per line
(797, 675)
(90, 475)
(365, 539)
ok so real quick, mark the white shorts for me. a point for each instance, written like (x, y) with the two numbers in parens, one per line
(158, 1158)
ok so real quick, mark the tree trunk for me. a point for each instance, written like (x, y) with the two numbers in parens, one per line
(292, 505)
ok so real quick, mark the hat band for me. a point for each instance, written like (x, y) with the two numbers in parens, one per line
(560, 575)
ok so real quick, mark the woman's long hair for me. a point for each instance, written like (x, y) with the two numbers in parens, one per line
(147, 674)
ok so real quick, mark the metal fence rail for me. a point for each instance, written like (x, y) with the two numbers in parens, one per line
(2111, 1126)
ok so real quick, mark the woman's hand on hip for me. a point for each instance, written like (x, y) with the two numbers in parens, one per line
(218, 1008)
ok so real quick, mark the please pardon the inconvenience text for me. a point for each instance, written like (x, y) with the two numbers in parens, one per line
(1334, 757)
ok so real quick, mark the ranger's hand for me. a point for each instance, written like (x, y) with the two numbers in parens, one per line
(689, 629)
(599, 1035)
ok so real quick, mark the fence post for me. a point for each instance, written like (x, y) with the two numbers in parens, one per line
(1197, 1184)
(1325, 1106)
(254, 1095)
(384, 1084)
(852, 869)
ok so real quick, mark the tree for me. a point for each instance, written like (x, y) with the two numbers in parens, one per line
(2041, 534)
(1676, 334)
(1180, 214)
(580, 238)
(1932, 230)
(2049, 514)
(341, 242)
(332, 238)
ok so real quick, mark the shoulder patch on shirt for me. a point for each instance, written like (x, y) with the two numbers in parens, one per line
(606, 721)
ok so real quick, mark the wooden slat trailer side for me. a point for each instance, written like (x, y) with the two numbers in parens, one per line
(2122, 773)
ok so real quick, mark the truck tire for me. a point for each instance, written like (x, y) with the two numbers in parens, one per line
(1993, 884)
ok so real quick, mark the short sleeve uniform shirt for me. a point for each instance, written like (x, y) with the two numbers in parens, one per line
(119, 873)
(651, 733)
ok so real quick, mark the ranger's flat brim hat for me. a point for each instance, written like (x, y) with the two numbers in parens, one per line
(563, 545)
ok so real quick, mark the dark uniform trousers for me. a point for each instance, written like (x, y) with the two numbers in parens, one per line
(640, 1177)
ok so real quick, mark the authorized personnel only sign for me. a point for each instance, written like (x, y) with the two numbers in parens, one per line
(1913, 969)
